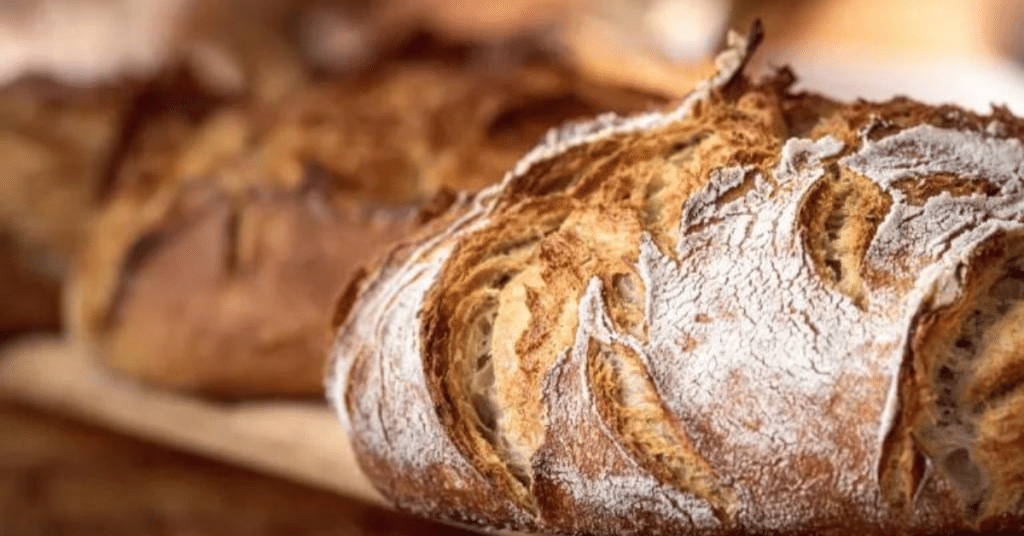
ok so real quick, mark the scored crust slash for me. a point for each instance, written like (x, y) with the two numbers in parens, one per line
(757, 311)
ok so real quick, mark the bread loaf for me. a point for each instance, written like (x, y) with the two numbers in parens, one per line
(757, 312)
(214, 267)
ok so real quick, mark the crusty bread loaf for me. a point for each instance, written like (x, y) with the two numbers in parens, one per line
(216, 263)
(761, 311)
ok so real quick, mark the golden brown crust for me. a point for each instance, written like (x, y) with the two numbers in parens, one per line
(732, 317)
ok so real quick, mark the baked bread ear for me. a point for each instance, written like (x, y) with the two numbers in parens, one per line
(215, 264)
(761, 311)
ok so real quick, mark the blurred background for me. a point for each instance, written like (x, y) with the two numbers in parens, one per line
(188, 185)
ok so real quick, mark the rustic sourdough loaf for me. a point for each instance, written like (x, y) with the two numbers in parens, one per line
(215, 264)
(760, 311)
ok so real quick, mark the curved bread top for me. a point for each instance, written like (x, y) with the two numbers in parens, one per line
(759, 311)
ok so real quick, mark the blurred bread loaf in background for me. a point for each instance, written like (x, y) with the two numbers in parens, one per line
(214, 265)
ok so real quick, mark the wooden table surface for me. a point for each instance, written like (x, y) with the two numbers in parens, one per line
(179, 466)
(61, 477)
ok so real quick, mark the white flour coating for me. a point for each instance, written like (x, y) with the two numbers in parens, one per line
(945, 224)
(702, 207)
(396, 418)
(396, 377)
(421, 268)
(773, 341)
(769, 340)
(614, 492)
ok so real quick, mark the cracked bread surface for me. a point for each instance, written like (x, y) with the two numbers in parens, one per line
(758, 311)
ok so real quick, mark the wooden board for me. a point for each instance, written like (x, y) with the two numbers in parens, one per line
(59, 476)
(301, 441)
